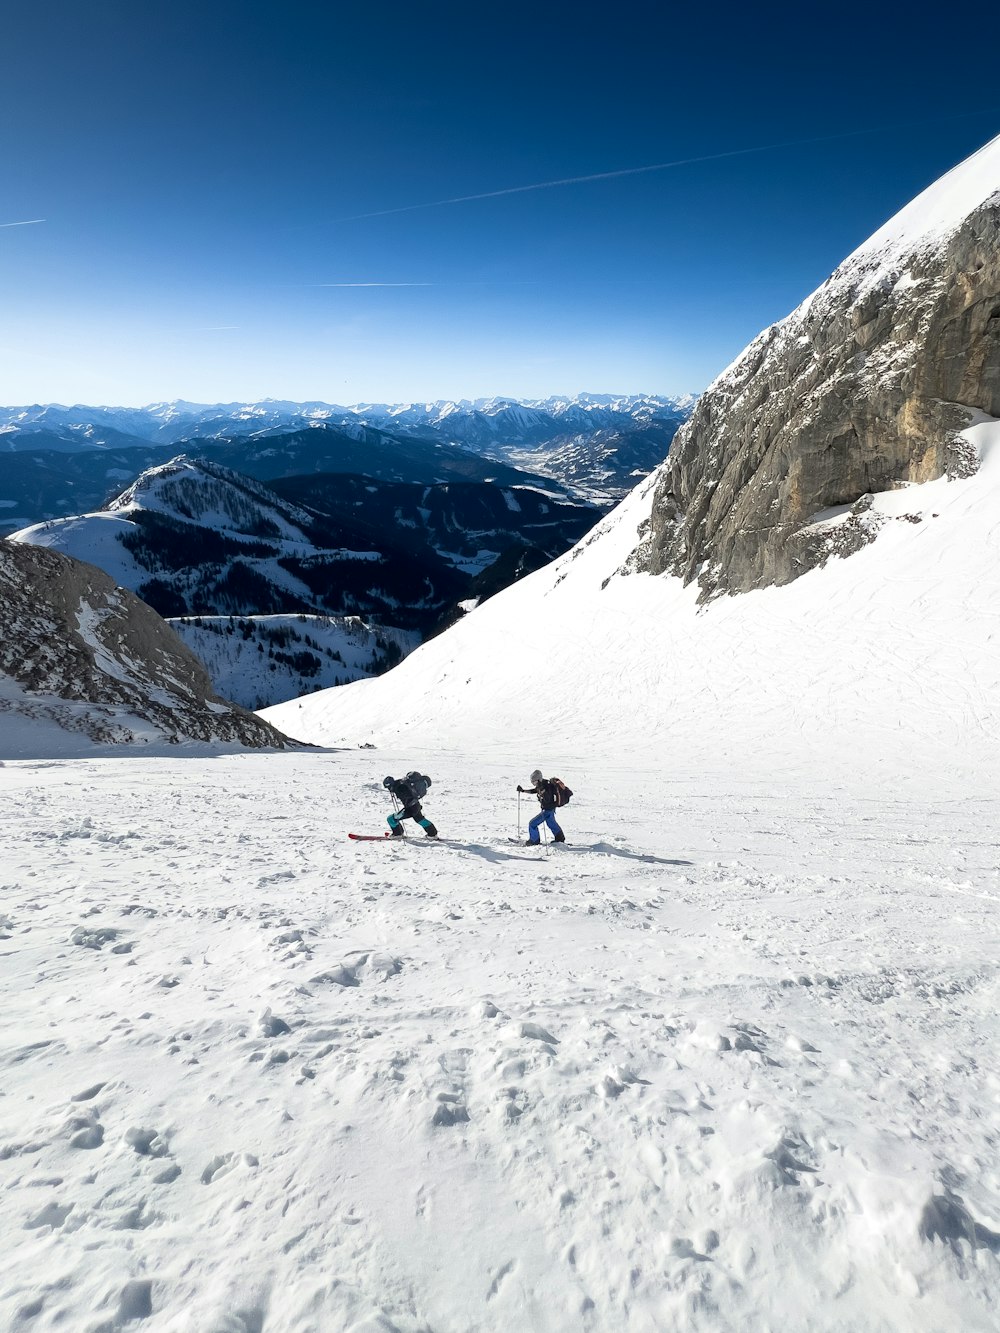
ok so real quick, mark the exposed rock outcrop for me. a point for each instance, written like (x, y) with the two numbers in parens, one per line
(864, 387)
(80, 652)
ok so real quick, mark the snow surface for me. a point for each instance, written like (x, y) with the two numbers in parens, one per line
(726, 1061)
(94, 538)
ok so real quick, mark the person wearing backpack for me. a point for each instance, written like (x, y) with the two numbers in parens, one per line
(551, 792)
(409, 792)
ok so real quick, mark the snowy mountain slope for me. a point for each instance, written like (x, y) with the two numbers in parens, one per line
(74, 437)
(726, 1061)
(262, 660)
(193, 538)
(884, 662)
(84, 663)
(162, 524)
(865, 386)
(468, 524)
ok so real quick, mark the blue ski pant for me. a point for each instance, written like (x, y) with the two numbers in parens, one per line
(543, 817)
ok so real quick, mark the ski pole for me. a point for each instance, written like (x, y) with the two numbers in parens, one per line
(519, 814)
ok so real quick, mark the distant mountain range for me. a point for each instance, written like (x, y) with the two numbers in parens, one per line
(67, 460)
(474, 422)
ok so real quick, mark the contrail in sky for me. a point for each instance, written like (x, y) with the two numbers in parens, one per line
(30, 223)
(377, 284)
(638, 171)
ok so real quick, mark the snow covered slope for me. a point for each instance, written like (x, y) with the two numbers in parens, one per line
(194, 538)
(886, 663)
(726, 1062)
(261, 660)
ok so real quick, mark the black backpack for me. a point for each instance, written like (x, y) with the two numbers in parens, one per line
(560, 791)
(418, 784)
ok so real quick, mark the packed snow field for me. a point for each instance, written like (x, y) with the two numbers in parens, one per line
(726, 1061)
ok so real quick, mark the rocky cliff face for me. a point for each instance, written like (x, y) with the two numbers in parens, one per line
(862, 389)
(80, 652)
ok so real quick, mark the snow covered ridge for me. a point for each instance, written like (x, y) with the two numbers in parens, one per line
(866, 386)
(80, 655)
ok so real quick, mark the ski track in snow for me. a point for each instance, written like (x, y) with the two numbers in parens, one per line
(727, 1061)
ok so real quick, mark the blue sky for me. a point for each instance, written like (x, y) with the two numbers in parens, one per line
(229, 196)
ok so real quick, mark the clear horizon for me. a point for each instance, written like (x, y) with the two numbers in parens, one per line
(236, 205)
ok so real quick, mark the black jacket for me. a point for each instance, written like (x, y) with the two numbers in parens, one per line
(404, 794)
(546, 793)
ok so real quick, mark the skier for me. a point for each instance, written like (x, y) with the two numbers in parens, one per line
(545, 790)
(409, 791)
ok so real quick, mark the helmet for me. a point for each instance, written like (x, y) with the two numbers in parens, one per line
(387, 782)
(537, 775)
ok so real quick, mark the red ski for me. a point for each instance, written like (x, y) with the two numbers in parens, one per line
(368, 837)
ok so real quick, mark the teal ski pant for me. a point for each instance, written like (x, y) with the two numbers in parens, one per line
(394, 819)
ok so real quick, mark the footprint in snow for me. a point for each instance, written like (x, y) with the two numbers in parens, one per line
(52, 1215)
(93, 937)
(135, 1301)
(292, 943)
(146, 1142)
(270, 1025)
(513, 1103)
(84, 1130)
(348, 972)
(450, 1104)
(610, 1088)
(450, 1110)
(88, 1094)
(501, 1274)
(226, 1163)
(536, 1032)
(276, 878)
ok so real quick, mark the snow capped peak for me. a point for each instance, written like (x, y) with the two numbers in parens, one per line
(942, 207)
